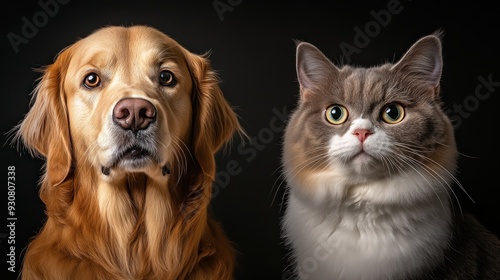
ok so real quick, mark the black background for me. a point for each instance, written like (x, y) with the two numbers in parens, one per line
(252, 47)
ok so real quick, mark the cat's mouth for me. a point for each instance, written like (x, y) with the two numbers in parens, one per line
(361, 155)
(363, 160)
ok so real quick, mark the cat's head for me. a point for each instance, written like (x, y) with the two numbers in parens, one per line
(357, 126)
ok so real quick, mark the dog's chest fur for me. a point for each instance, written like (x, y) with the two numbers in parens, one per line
(138, 215)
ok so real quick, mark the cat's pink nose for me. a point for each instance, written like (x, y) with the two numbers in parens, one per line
(362, 134)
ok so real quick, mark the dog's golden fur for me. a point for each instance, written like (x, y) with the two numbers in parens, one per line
(115, 214)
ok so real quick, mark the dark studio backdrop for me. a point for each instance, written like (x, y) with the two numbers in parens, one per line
(252, 48)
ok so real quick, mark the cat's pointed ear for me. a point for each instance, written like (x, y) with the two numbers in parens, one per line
(423, 61)
(314, 69)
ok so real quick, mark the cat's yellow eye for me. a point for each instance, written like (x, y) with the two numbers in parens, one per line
(393, 113)
(336, 114)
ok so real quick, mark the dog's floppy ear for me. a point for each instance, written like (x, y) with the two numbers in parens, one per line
(45, 130)
(214, 120)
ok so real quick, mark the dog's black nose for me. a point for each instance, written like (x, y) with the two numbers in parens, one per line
(134, 113)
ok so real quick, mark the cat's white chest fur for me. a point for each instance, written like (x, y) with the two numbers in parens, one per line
(344, 238)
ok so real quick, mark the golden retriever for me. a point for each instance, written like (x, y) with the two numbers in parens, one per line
(128, 122)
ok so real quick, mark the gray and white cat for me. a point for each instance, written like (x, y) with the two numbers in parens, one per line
(369, 159)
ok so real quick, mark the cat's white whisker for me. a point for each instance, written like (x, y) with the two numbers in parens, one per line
(414, 164)
(311, 162)
(450, 174)
(447, 184)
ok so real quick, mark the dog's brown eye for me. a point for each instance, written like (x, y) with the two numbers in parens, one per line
(167, 78)
(92, 80)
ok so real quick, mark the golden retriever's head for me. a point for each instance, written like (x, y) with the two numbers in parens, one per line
(127, 100)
